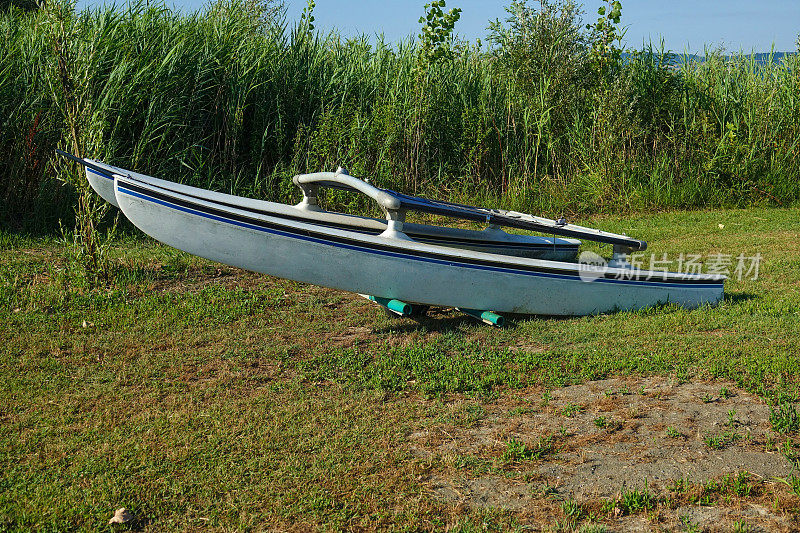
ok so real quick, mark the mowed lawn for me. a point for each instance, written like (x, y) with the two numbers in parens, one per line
(201, 396)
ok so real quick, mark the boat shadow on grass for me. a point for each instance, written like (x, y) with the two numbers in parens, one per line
(444, 321)
(453, 321)
(739, 297)
(448, 321)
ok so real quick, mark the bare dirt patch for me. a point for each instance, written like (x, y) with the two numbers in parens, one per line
(594, 441)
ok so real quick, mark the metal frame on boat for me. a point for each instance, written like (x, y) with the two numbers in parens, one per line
(389, 259)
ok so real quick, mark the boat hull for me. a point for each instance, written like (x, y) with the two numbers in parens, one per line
(386, 267)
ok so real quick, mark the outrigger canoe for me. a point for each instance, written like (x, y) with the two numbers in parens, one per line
(392, 260)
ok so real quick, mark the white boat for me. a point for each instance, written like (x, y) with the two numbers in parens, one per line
(391, 260)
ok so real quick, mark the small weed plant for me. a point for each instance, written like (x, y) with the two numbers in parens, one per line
(572, 409)
(517, 450)
(722, 440)
(572, 509)
(673, 433)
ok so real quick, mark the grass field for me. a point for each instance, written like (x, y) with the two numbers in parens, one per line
(200, 396)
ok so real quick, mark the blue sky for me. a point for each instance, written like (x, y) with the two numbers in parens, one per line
(685, 25)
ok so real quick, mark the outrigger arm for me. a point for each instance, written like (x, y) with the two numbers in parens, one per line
(395, 205)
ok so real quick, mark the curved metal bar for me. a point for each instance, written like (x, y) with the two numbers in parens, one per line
(341, 180)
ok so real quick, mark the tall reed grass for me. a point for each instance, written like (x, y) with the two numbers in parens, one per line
(233, 98)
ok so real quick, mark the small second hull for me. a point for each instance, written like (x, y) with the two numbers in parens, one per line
(101, 183)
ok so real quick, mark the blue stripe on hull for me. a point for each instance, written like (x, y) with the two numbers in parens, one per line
(395, 254)
(106, 176)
